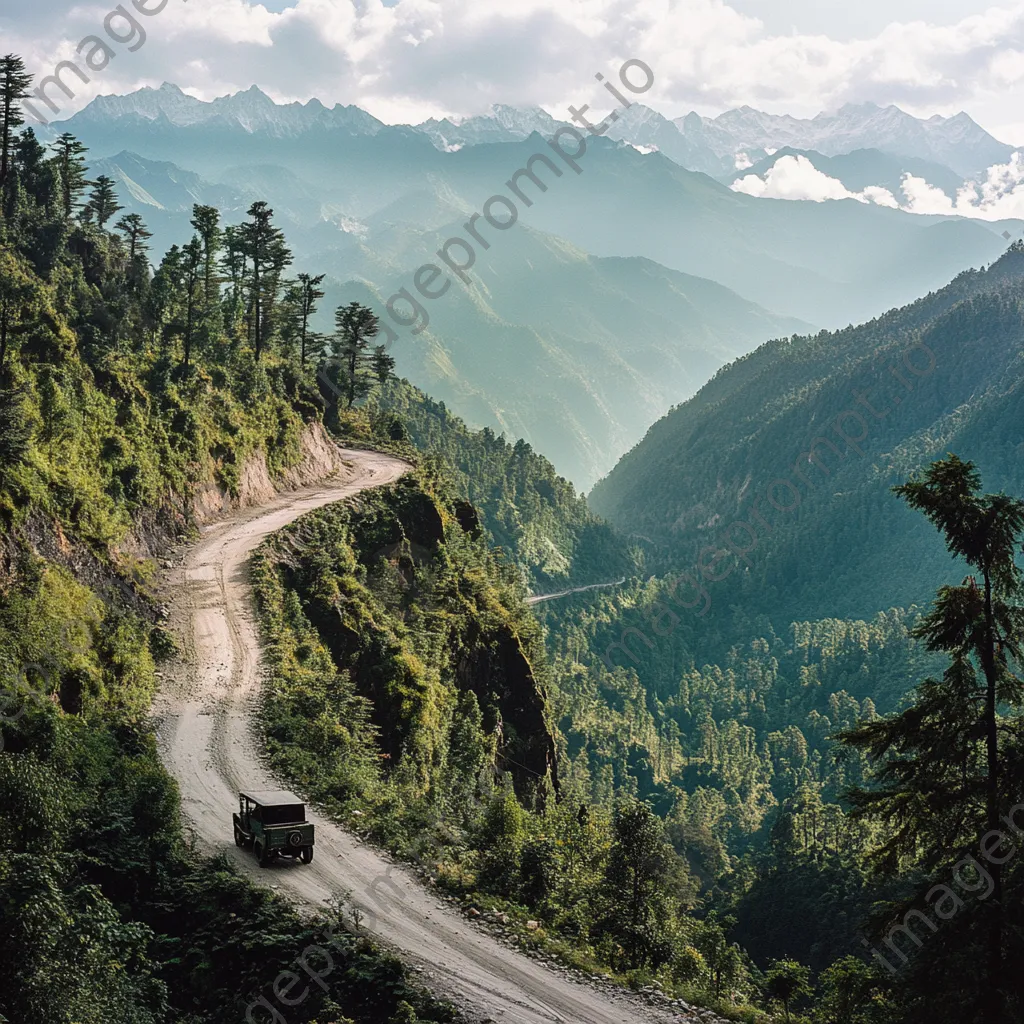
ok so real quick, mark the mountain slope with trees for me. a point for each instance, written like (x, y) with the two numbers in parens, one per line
(808, 435)
(125, 397)
(574, 353)
(526, 509)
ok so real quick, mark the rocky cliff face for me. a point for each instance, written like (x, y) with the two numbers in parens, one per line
(494, 665)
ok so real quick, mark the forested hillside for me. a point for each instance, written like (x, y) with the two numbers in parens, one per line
(777, 473)
(128, 401)
(527, 510)
(411, 695)
(827, 774)
(442, 669)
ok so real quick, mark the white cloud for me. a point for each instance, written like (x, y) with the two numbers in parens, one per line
(795, 177)
(924, 198)
(420, 57)
(999, 197)
(881, 196)
(743, 161)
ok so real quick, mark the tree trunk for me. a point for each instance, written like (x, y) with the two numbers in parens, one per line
(256, 300)
(188, 331)
(350, 384)
(993, 1012)
(305, 324)
(5, 139)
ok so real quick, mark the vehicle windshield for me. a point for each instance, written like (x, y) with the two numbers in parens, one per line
(284, 814)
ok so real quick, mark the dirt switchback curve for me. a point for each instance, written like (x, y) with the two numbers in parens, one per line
(205, 713)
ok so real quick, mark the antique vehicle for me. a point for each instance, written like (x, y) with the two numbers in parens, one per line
(274, 822)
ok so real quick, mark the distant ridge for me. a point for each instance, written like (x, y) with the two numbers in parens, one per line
(716, 146)
(767, 436)
(252, 110)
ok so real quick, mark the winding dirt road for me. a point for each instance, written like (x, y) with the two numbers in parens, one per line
(204, 714)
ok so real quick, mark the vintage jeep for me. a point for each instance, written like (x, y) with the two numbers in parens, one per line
(275, 823)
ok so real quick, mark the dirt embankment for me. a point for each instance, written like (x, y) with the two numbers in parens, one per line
(321, 459)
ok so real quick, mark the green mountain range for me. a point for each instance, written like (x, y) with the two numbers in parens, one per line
(823, 425)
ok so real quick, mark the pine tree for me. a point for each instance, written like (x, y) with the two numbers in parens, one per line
(382, 364)
(304, 298)
(638, 868)
(163, 300)
(356, 327)
(267, 255)
(786, 981)
(948, 766)
(14, 83)
(70, 162)
(192, 264)
(136, 235)
(103, 202)
(133, 227)
(30, 158)
(206, 221)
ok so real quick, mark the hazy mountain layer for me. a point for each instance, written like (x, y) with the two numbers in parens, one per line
(578, 355)
(574, 353)
(706, 144)
(829, 263)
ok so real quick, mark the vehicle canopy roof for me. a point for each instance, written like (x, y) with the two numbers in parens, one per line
(271, 797)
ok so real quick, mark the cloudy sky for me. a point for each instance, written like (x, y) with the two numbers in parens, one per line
(404, 60)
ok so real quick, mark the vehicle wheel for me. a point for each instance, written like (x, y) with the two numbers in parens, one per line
(307, 854)
(262, 854)
(239, 837)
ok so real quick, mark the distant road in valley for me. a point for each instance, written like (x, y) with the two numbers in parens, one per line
(538, 598)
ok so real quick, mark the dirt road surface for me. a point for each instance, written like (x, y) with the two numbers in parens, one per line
(204, 715)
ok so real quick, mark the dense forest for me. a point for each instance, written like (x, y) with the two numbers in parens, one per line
(778, 814)
(124, 391)
(772, 483)
(411, 695)
(764, 810)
